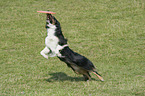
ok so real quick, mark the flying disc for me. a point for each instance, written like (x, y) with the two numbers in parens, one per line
(49, 12)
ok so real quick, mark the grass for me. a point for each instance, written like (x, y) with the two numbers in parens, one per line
(111, 33)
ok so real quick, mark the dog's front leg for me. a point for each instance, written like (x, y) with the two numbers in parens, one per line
(58, 48)
(45, 52)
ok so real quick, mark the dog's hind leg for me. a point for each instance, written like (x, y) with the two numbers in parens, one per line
(87, 76)
(45, 52)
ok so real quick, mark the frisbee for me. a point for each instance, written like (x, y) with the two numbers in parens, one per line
(49, 12)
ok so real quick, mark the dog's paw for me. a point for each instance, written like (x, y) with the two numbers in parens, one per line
(62, 56)
(59, 55)
(44, 55)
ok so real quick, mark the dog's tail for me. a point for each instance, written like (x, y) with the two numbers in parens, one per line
(99, 76)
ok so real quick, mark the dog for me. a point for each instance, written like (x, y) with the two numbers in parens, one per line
(56, 45)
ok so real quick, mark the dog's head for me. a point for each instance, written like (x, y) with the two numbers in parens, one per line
(51, 21)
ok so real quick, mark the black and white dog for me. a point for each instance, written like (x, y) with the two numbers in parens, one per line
(56, 45)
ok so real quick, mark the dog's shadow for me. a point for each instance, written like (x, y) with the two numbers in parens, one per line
(60, 76)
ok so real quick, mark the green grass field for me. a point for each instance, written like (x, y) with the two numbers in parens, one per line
(111, 33)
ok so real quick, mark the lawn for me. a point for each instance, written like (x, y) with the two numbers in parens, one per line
(111, 33)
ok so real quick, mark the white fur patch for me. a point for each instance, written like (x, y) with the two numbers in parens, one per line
(51, 42)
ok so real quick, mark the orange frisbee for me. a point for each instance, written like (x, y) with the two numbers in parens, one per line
(49, 12)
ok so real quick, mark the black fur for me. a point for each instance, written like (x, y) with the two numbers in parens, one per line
(71, 57)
